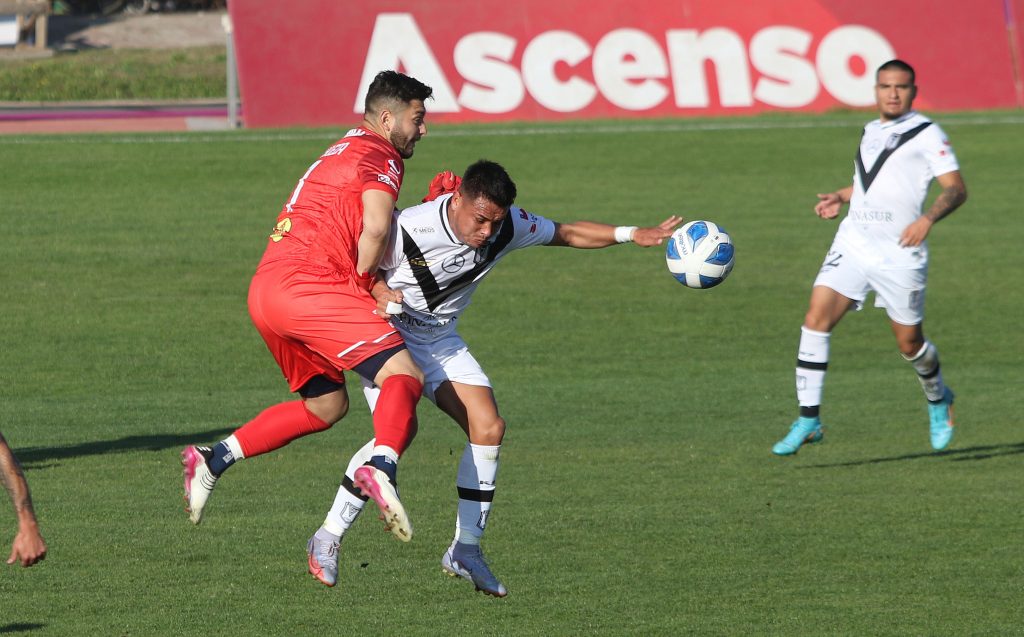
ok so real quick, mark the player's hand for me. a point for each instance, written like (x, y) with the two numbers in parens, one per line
(385, 296)
(828, 205)
(28, 548)
(914, 234)
(653, 236)
(443, 183)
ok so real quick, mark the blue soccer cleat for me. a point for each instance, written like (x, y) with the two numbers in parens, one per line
(941, 415)
(467, 561)
(804, 430)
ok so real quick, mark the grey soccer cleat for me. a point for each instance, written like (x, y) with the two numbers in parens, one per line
(323, 559)
(467, 561)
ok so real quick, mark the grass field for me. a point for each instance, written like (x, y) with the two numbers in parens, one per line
(637, 494)
(116, 74)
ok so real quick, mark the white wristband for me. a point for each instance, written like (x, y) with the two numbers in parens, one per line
(624, 234)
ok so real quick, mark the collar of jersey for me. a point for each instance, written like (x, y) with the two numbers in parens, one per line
(445, 222)
(902, 118)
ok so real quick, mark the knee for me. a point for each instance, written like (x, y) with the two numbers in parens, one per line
(329, 408)
(817, 321)
(490, 433)
(910, 348)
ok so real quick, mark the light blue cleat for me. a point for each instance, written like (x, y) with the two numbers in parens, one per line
(941, 416)
(804, 430)
(467, 561)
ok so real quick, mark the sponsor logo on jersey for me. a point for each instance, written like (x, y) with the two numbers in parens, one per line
(282, 228)
(387, 180)
(453, 263)
(872, 216)
(423, 230)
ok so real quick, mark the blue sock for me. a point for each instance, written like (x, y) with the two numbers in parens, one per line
(222, 458)
(387, 465)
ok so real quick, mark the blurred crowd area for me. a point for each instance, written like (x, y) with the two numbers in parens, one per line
(133, 7)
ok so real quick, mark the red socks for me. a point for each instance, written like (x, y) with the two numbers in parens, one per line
(277, 426)
(394, 419)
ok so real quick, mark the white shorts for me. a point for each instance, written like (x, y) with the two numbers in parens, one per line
(442, 358)
(900, 290)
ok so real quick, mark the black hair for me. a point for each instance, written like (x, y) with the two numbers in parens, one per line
(897, 65)
(489, 180)
(390, 87)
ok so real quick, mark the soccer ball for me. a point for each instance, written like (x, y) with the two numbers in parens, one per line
(700, 254)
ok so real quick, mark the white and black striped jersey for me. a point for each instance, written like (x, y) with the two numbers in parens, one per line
(437, 273)
(894, 165)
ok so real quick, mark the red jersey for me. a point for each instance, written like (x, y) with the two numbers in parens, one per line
(322, 220)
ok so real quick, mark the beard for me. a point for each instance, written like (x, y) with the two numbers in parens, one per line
(403, 143)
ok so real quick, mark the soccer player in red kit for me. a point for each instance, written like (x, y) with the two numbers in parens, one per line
(310, 301)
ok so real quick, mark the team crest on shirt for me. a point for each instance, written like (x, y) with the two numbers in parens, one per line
(892, 142)
(453, 263)
(281, 229)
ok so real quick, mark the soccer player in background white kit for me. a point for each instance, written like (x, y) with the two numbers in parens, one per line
(880, 246)
(439, 253)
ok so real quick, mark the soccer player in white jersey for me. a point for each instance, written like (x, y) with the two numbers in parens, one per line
(440, 251)
(880, 246)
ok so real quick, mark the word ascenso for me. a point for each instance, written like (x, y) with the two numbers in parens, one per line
(632, 69)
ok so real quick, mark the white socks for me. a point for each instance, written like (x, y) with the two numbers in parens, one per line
(478, 470)
(811, 364)
(926, 364)
(347, 505)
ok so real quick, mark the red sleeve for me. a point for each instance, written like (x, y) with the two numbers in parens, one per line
(381, 170)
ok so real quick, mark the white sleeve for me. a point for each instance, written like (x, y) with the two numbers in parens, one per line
(392, 257)
(531, 229)
(938, 152)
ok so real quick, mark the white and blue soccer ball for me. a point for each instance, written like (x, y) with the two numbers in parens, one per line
(700, 254)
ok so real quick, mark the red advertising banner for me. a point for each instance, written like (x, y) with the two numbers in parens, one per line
(309, 62)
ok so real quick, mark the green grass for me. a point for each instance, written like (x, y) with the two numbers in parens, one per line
(637, 494)
(116, 74)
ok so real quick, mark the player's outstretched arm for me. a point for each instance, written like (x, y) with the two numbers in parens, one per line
(28, 546)
(590, 234)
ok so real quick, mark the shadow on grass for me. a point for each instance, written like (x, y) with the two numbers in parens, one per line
(955, 455)
(20, 627)
(157, 442)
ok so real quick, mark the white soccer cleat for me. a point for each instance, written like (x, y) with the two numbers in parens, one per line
(375, 484)
(199, 481)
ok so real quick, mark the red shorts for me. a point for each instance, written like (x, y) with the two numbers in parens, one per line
(315, 323)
